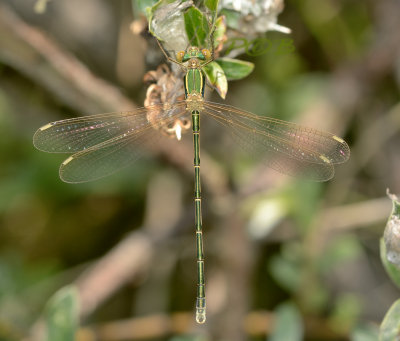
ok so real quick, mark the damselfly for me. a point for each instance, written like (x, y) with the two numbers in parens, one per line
(102, 144)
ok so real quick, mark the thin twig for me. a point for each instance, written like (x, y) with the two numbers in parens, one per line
(120, 265)
(255, 324)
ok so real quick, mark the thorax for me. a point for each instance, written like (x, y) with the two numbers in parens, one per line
(194, 82)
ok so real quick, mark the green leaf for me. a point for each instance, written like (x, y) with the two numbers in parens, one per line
(220, 30)
(232, 18)
(142, 5)
(216, 76)
(365, 332)
(285, 272)
(212, 5)
(234, 68)
(161, 9)
(61, 315)
(390, 327)
(196, 27)
(391, 269)
(288, 324)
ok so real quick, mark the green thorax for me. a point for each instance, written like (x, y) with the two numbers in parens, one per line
(194, 82)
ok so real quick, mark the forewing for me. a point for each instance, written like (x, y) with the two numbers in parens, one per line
(80, 133)
(286, 147)
(107, 158)
(106, 143)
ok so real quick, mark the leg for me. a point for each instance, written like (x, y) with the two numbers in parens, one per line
(168, 57)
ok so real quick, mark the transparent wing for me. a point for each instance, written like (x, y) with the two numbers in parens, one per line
(286, 147)
(76, 134)
(106, 158)
(106, 142)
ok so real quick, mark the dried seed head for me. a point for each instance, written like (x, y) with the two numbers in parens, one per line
(165, 89)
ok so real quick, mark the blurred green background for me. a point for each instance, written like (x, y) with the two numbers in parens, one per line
(282, 255)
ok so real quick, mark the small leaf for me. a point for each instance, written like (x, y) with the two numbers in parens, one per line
(285, 272)
(391, 235)
(365, 332)
(196, 27)
(390, 327)
(166, 23)
(61, 315)
(391, 269)
(219, 32)
(151, 13)
(288, 324)
(142, 5)
(232, 18)
(158, 4)
(212, 5)
(216, 76)
(234, 68)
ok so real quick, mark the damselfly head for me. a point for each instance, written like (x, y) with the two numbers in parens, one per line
(193, 52)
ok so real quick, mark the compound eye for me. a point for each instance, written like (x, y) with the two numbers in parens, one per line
(180, 55)
(206, 53)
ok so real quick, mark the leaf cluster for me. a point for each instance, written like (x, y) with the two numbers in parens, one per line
(205, 29)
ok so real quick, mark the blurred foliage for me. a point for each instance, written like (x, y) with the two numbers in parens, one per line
(288, 324)
(317, 273)
(365, 332)
(391, 238)
(391, 269)
(390, 327)
(61, 315)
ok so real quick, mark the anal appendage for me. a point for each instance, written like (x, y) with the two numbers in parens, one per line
(201, 310)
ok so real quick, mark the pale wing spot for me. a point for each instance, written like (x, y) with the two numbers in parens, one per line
(324, 158)
(47, 126)
(338, 139)
(67, 160)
